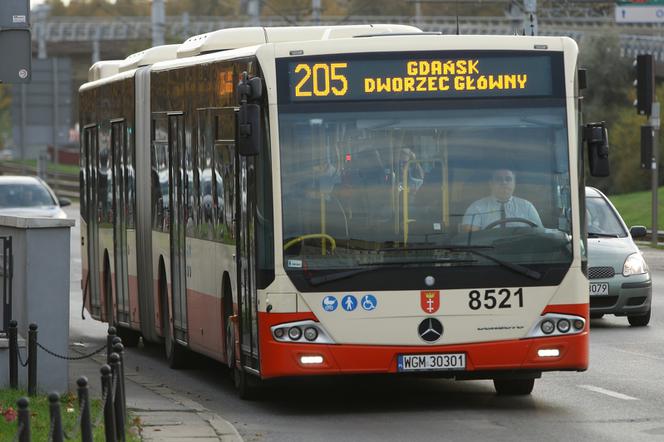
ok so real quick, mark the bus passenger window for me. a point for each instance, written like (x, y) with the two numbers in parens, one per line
(225, 193)
(207, 203)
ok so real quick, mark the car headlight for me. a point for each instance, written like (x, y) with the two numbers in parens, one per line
(635, 265)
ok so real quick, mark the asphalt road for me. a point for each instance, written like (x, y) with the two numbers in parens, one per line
(620, 398)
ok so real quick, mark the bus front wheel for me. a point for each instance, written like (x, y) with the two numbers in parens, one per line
(514, 387)
(245, 384)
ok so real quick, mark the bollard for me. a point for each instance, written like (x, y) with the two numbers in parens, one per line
(13, 354)
(84, 409)
(117, 401)
(112, 332)
(119, 349)
(32, 360)
(56, 417)
(23, 420)
(107, 395)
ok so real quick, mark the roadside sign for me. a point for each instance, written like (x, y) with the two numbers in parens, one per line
(639, 2)
(640, 14)
(639, 11)
(16, 51)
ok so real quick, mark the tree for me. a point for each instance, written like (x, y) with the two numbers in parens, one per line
(609, 76)
(609, 98)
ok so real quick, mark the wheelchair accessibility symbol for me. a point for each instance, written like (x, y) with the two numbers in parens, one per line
(369, 302)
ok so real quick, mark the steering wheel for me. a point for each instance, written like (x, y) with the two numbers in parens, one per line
(292, 242)
(509, 220)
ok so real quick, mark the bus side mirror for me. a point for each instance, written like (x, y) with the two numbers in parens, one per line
(249, 117)
(597, 138)
(249, 129)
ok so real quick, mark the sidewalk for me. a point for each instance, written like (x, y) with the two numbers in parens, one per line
(165, 415)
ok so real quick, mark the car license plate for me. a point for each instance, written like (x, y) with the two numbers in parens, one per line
(599, 288)
(442, 361)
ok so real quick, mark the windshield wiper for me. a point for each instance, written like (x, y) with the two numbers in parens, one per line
(370, 267)
(518, 268)
(602, 235)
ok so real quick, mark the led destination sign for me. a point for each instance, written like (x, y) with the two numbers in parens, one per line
(416, 77)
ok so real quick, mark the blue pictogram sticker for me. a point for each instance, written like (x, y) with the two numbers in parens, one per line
(349, 303)
(369, 302)
(330, 303)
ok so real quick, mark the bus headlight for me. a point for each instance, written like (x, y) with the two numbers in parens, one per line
(557, 324)
(294, 333)
(547, 327)
(312, 331)
(310, 334)
(635, 265)
(564, 325)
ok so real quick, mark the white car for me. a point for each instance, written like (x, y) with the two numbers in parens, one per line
(30, 197)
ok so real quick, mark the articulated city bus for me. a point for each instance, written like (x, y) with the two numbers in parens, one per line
(343, 200)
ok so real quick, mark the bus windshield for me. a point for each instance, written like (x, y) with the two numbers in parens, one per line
(400, 184)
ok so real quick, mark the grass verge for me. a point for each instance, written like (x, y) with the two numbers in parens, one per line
(635, 208)
(40, 418)
(51, 167)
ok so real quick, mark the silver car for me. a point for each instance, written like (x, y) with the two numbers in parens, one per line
(620, 282)
(31, 197)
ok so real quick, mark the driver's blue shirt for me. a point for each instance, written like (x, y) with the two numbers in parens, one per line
(484, 211)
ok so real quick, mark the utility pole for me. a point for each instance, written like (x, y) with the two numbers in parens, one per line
(654, 123)
(530, 17)
(56, 116)
(646, 104)
(254, 12)
(158, 22)
(315, 11)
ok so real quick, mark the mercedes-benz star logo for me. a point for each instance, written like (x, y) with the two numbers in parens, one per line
(430, 330)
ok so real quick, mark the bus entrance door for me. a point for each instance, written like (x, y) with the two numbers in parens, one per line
(119, 157)
(177, 220)
(91, 147)
(246, 264)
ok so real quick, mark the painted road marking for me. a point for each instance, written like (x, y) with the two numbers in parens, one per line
(608, 392)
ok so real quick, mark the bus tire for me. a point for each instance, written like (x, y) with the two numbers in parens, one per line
(639, 321)
(596, 315)
(130, 338)
(175, 353)
(245, 384)
(230, 345)
(514, 387)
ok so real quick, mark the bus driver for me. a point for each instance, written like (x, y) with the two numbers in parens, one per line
(500, 205)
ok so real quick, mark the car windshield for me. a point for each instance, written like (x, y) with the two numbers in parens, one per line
(14, 195)
(602, 219)
(402, 184)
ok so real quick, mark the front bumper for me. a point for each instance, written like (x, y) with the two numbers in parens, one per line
(283, 359)
(627, 296)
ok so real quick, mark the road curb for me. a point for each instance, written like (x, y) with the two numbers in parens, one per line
(223, 429)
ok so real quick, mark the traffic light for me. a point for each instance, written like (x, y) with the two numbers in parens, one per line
(645, 84)
(647, 141)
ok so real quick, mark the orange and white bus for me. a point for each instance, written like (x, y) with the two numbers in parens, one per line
(351, 199)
